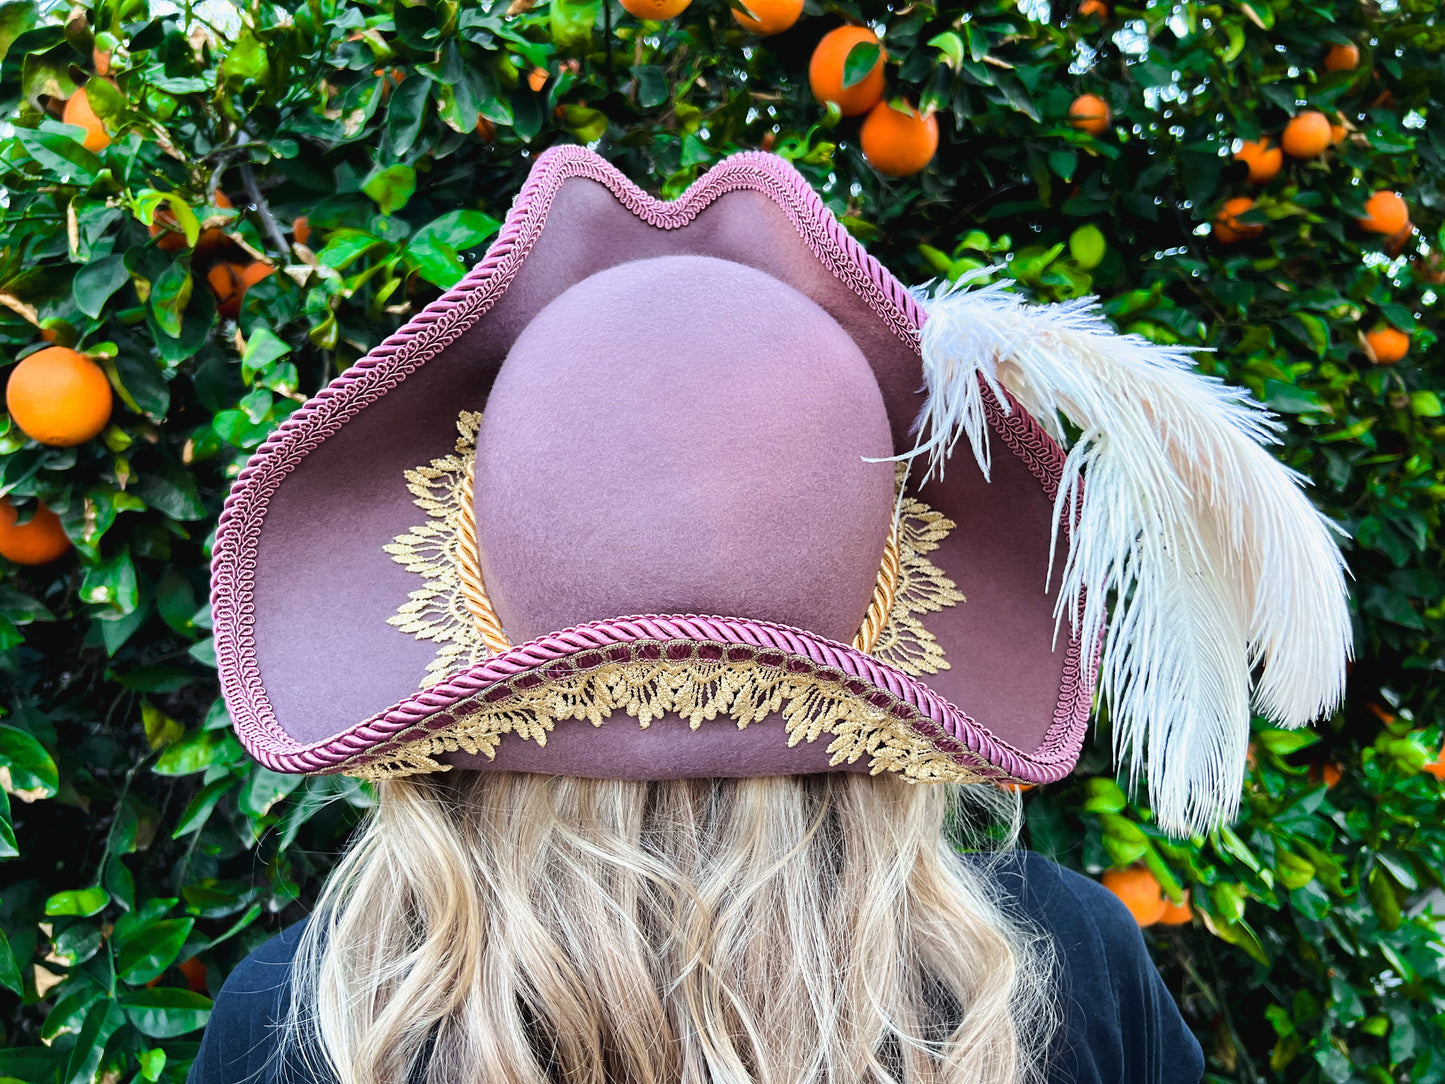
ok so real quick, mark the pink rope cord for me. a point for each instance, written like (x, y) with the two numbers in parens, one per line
(446, 319)
(758, 642)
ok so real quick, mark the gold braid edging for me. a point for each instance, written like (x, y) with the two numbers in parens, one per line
(697, 689)
(884, 591)
(469, 570)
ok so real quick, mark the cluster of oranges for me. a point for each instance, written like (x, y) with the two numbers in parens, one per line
(231, 270)
(897, 139)
(58, 397)
(1308, 136)
(1141, 893)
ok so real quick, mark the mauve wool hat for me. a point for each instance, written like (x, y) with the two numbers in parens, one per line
(659, 490)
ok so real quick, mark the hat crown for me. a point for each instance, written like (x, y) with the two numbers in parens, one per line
(683, 434)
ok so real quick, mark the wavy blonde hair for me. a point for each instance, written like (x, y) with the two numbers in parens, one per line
(503, 928)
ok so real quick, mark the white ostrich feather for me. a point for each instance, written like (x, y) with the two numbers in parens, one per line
(1218, 564)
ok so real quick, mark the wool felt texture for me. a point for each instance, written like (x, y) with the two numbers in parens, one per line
(1120, 1025)
(755, 434)
(652, 446)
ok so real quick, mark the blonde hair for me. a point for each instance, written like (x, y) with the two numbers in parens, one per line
(503, 928)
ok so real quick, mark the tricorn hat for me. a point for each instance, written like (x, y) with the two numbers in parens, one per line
(669, 489)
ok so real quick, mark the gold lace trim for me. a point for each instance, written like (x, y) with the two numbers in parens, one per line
(452, 610)
(902, 640)
(697, 689)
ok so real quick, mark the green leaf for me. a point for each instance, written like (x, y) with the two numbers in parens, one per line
(166, 1012)
(103, 1020)
(151, 1063)
(572, 23)
(97, 281)
(1105, 796)
(1284, 742)
(405, 114)
(170, 294)
(652, 88)
(62, 155)
(264, 789)
(171, 489)
(148, 953)
(32, 769)
(112, 583)
(160, 729)
(9, 972)
(1063, 163)
(1292, 870)
(198, 810)
(950, 45)
(1123, 839)
(196, 752)
(1288, 399)
(78, 901)
(391, 187)
(15, 19)
(860, 62)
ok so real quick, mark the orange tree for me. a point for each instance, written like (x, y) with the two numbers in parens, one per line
(218, 210)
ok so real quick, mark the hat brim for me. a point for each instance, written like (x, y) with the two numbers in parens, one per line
(851, 709)
(303, 590)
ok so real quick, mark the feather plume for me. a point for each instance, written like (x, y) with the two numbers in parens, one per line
(1219, 566)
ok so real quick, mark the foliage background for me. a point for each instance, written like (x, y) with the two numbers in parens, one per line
(145, 854)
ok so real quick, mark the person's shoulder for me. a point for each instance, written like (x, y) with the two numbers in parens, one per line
(1119, 1021)
(240, 1036)
(266, 968)
(1071, 901)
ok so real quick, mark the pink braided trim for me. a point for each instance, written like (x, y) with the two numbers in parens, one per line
(444, 320)
(950, 730)
(1028, 440)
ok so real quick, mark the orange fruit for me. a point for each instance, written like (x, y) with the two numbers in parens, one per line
(825, 71)
(656, 10)
(58, 397)
(768, 16)
(79, 113)
(1331, 773)
(897, 143)
(1386, 213)
(38, 542)
(1097, 8)
(1227, 226)
(230, 281)
(100, 61)
(1176, 914)
(1306, 135)
(1263, 159)
(165, 226)
(537, 79)
(1139, 891)
(1018, 788)
(1338, 130)
(486, 129)
(1089, 113)
(301, 230)
(1342, 58)
(1387, 344)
